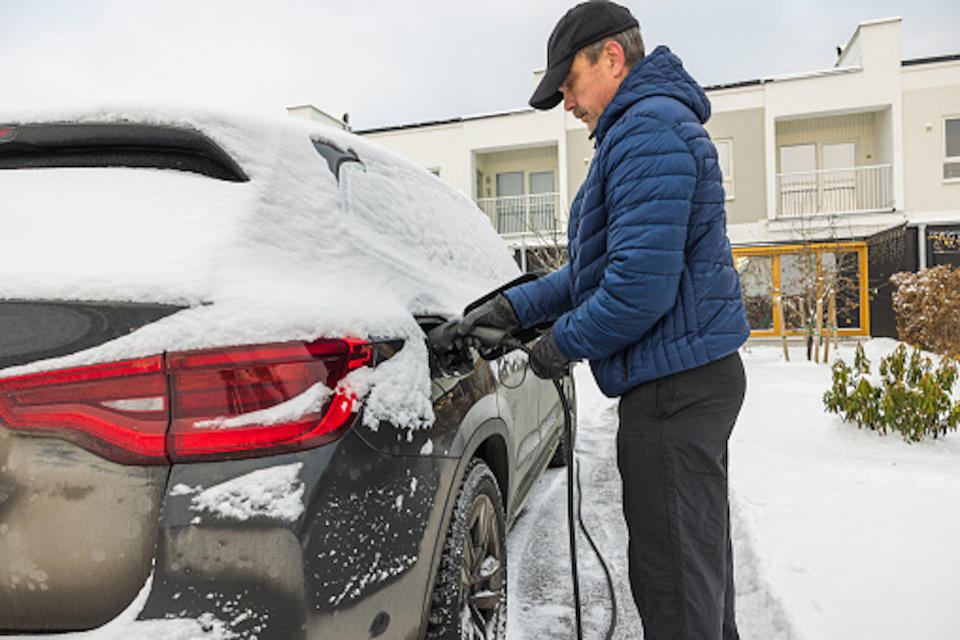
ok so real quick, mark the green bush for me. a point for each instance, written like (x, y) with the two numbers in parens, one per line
(913, 399)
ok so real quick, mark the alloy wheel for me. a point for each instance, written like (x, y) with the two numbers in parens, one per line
(482, 574)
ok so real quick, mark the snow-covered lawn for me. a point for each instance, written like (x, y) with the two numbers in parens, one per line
(838, 533)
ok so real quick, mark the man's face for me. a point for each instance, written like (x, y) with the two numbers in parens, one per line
(589, 88)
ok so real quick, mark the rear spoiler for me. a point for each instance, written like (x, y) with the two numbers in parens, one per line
(72, 145)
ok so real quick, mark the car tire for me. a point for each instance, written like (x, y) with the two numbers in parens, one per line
(559, 457)
(470, 593)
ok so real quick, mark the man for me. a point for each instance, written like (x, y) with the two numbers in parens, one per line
(651, 297)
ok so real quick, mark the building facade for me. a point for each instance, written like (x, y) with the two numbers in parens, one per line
(834, 179)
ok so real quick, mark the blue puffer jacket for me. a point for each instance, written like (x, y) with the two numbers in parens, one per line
(650, 288)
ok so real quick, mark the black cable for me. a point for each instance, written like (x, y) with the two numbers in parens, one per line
(603, 562)
(568, 438)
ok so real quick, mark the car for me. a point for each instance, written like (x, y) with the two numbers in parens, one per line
(219, 415)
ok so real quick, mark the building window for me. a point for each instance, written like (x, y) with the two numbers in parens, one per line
(951, 162)
(510, 202)
(756, 281)
(782, 284)
(542, 201)
(725, 158)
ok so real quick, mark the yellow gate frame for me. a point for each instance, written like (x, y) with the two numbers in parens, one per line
(778, 250)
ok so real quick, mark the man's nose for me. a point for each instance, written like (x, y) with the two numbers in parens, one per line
(568, 102)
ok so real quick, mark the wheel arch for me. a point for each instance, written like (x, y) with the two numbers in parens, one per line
(493, 451)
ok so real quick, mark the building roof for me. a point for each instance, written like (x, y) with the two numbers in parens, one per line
(714, 87)
(931, 60)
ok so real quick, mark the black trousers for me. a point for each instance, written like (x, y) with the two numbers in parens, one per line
(672, 456)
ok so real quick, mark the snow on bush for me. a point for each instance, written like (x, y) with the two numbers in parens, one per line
(912, 398)
(927, 304)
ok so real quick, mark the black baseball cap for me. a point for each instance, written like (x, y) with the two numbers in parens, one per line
(585, 24)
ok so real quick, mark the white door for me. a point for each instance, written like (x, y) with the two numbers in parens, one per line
(838, 186)
(542, 196)
(510, 205)
(798, 179)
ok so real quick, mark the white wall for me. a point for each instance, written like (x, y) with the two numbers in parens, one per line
(433, 146)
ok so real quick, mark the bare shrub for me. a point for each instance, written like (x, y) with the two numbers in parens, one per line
(927, 304)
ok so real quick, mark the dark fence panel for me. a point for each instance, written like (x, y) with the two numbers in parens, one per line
(888, 252)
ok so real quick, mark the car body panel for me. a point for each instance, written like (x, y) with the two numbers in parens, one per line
(369, 527)
(77, 533)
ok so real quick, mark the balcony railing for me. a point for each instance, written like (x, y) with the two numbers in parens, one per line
(532, 213)
(852, 190)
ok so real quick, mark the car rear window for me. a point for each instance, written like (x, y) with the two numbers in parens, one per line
(69, 145)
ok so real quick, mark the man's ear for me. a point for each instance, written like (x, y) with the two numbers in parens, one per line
(614, 57)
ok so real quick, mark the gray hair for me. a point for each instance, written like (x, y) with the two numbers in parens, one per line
(630, 40)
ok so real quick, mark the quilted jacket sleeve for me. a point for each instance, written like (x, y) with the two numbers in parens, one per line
(542, 300)
(650, 176)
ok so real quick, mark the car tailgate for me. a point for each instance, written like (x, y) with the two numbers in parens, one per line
(77, 530)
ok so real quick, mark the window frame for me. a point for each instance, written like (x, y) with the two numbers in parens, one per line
(948, 159)
(776, 251)
(728, 194)
(553, 178)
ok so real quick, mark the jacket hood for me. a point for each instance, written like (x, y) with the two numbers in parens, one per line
(659, 74)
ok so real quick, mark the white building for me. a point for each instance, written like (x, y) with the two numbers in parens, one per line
(310, 112)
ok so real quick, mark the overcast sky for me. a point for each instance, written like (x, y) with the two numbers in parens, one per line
(395, 62)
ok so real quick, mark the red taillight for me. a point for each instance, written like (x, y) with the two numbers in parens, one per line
(218, 403)
(265, 399)
(118, 410)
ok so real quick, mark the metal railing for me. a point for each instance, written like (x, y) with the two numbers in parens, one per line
(529, 213)
(850, 190)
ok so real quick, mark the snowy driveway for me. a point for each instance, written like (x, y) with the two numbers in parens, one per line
(838, 533)
(540, 589)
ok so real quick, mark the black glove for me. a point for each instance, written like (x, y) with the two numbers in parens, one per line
(496, 313)
(546, 359)
(446, 337)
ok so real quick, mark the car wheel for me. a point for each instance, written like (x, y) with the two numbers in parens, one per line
(470, 595)
(559, 457)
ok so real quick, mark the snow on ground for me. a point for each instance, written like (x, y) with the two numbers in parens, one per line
(838, 533)
(126, 627)
(857, 533)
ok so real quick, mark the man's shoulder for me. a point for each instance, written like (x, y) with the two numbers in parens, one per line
(650, 122)
(668, 110)
(647, 119)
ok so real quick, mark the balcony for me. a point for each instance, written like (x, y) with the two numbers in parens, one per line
(849, 190)
(533, 214)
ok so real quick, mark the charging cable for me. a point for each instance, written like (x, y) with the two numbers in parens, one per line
(510, 344)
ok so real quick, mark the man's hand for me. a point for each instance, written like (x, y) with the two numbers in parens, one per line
(546, 359)
(496, 313)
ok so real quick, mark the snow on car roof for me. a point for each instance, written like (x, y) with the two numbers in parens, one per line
(291, 254)
(168, 236)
